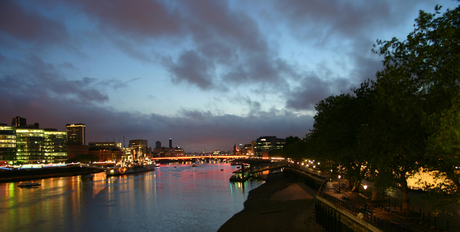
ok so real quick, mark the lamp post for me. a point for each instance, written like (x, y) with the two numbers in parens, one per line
(365, 201)
(339, 182)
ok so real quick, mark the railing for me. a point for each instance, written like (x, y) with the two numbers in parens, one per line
(394, 205)
(367, 215)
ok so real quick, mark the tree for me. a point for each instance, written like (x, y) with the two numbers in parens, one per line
(294, 148)
(334, 137)
(419, 80)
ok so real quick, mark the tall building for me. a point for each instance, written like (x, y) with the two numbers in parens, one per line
(266, 143)
(31, 145)
(18, 122)
(75, 134)
(7, 144)
(140, 146)
(158, 144)
(167, 151)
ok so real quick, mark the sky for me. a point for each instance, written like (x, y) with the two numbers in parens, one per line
(208, 74)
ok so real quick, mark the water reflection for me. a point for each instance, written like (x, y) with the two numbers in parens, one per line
(175, 197)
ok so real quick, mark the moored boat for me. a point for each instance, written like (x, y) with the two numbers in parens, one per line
(28, 185)
(133, 164)
(116, 171)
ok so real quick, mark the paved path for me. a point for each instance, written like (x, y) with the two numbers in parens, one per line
(278, 205)
(392, 214)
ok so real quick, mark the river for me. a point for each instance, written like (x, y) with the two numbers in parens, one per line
(176, 197)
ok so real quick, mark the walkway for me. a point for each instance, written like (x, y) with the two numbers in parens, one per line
(374, 212)
(280, 204)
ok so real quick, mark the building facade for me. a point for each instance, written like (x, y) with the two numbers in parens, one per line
(18, 122)
(75, 134)
(140, 147)
(105, 151)
(31, 145)
(267, 143)
(7, 143)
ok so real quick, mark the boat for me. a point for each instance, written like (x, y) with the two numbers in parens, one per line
(136, 168)
(135, 163)
(28, 185)
(194, 165)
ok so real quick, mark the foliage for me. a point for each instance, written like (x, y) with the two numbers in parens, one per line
(407, 119)
(334, 138)
(419, 79)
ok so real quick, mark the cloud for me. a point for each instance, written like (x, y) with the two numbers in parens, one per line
(313, 89)
(322, 21)
(34, 78)
(143, 19)
(296, 53)
(115, 84)
(193, 130)
(228, 46)
(30, 26)
(193, 69)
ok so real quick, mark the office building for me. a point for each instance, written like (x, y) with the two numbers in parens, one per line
(31, 145)
(158, 145)
(75, 134)
(139, 147)
(7, 143)
(265, 144)
(105, 151)
(18, 122)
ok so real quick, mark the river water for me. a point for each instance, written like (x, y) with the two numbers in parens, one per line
(176, 197)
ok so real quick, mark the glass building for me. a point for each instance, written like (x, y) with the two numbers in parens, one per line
(7, 143)
(31, 145)
(268, 143)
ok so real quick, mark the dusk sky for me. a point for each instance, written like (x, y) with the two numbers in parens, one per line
(208, 74)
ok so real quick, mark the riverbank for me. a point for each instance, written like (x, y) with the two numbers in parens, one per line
(281, 204)
(35, 174)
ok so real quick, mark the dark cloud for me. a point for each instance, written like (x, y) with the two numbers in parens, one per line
(193, 69)
(215, 46)
(36, 78)
(225, 40)
(193, 130)
(30, 26)
(144, 18)
(115, 84)
(233, 41)
(322, 20)
(313, 89)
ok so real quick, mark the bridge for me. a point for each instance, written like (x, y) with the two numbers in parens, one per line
(200, 157)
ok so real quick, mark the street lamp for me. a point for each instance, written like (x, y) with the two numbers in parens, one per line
(365, 201)
(339, 182)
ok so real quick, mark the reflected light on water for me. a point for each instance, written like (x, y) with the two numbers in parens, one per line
(175, 197)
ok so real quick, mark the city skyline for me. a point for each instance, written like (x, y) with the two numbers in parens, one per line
(209, 74)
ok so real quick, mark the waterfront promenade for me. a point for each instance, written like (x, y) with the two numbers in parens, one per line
(281, 204)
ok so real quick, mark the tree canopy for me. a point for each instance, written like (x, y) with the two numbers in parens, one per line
(406, 119)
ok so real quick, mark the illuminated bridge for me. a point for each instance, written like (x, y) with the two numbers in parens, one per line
(201, 157)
